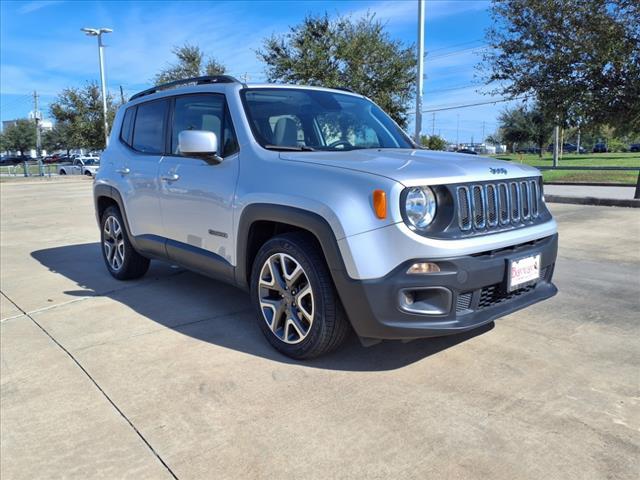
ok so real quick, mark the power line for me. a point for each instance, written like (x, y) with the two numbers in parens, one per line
(439, 49)
(475, 104)
(456, 52)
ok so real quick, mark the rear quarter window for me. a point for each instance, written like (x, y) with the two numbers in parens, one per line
(126, 132)
(148, 130)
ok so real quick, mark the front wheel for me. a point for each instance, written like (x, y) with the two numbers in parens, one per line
(121, 259)
(63, 172)
(298, 308)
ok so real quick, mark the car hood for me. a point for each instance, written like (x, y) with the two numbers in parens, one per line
(417, 167)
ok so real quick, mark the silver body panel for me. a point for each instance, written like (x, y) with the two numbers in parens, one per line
(337, 186)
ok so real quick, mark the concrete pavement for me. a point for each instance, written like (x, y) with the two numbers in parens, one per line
(169, 376)
(619, 193)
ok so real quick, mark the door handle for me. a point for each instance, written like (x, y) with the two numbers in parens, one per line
(123, 171)
(170, 178)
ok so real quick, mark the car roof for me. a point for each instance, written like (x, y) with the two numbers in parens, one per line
(217, 84)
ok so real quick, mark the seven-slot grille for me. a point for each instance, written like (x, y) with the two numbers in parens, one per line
(498, 205)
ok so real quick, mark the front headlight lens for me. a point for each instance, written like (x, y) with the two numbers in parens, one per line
(420, 206)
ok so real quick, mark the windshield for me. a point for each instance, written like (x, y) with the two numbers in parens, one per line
(300, 119)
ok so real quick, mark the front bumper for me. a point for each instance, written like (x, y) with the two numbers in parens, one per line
(477, 284)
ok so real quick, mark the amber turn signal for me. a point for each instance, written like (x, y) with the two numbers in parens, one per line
(380, 203)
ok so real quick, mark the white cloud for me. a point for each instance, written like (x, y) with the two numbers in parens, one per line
(29, 7)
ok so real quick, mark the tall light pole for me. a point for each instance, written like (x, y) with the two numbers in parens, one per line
(420, 79)
(97, 32)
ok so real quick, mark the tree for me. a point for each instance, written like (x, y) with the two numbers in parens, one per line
(522, 124)
(20, 136)
(356, 54)
(57, 138)
(189, 65)
(79, 117)
(433, 142)
(579, 58)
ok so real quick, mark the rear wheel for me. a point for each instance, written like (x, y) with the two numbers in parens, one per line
(298, 308)
(121, 259)
(63, 172)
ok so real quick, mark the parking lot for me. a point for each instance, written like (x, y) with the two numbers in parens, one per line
(169, 376)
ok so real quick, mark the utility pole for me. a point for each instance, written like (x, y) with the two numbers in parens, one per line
(433, 124)
(483, 137)
(122, 96)
(578, 142)
(458, 132)
(420, 70)
(556, 138)
(36, 116)
(97, 32)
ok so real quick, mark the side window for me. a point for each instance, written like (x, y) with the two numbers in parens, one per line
(197, 112)
(148, 134)
(127, 125)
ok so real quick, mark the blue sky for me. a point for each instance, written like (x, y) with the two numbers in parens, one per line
(42, 48)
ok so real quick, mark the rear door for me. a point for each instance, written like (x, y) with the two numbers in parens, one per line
(196, 196)
(144, 130)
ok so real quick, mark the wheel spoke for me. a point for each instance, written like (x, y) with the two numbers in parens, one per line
(297, 326)
(294, 276)
(279, 282)
(277, 308)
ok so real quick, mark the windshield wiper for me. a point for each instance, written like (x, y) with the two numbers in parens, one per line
(288, 148)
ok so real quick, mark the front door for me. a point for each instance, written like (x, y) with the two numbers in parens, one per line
(196, 196)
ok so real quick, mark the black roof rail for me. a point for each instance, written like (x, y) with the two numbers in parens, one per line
(187, 81)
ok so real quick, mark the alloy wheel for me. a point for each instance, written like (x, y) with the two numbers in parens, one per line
(113, 243)
(286, 298)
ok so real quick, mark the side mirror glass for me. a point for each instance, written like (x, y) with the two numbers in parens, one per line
(200, 144)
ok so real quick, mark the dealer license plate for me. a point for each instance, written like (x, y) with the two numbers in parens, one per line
(523, 271)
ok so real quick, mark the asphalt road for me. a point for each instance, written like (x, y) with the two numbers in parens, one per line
(169, 375)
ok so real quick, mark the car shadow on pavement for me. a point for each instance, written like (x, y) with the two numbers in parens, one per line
(202, 308)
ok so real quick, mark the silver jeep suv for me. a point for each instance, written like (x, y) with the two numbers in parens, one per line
(316, 202)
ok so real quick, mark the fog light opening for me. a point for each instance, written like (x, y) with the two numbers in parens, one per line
(423, 268)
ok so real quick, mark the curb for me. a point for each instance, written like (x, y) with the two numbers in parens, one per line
(602, 202)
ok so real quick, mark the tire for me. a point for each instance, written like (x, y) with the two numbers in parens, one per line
(88, 173)
(63, 172)
(303, 323)
(120, 258)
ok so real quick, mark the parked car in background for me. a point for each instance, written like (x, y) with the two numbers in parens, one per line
(600, 148)
(82, 165)
(467, 151)
(634, 147)
(14, 159)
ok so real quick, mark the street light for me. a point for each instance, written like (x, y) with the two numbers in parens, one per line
(97, 32)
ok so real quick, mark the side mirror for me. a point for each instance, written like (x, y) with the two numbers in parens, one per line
(200, 144)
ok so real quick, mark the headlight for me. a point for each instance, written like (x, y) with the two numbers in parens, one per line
(420, 207)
